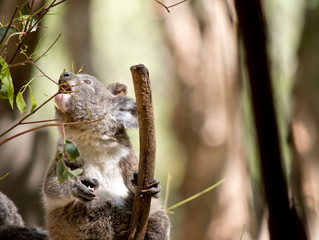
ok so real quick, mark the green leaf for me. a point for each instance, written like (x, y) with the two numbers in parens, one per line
(25, 10)
(11, 31)
(61, 171)
(25, 15)
(21, 103)
(34, 103)
(6, 79)
(3, 92)
(77, 172)
(71, 150)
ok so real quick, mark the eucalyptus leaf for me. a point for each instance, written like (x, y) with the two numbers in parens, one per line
(21, 103)
(6, 79)
(25, 10)
(11, 31)
(25, 14)
(61, 171)
(71, 150)
(77, 172)
(3, 92)
(34, 103)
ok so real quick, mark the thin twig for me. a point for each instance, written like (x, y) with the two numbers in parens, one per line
(42, 72)
(53, 5)
(48, 48)
(168, 7)
(9, 25)
(42, 121)
(173, 5)
(28, 32)
(28, 115)
(44, 126)
(163, 5)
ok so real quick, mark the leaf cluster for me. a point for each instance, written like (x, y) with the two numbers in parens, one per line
(22, 26)
(71, 153)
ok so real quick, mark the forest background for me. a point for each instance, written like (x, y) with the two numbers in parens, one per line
(205, 130)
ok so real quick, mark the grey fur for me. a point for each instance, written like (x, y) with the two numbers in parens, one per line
(97, 205)
(12, 226)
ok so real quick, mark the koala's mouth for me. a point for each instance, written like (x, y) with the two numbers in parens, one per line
(66, 92)
(66, 88)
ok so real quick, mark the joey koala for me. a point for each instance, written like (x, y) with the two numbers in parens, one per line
(12, 226)
(98, 205)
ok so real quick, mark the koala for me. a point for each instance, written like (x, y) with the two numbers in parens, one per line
(12, 225)
(98, 204)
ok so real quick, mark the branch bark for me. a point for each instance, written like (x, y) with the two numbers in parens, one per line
(142, 203)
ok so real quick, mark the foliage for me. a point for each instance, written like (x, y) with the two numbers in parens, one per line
(71, 152)
(22, 26)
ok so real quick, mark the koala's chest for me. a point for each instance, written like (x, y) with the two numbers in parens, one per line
(111, 183)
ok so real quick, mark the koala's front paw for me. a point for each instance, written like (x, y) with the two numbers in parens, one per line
(153, 189)
(84, 189)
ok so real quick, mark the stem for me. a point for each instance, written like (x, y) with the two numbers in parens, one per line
(48, 48)
(141, 205)
(53, 5)
(42, 121)
(28, 115)
(3, 37)
(44, 126)
(31, 62)
(173, 5)
(163, 5)
(168, 7)
(29, 31)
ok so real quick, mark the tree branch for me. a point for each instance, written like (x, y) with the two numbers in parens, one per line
(142, 203)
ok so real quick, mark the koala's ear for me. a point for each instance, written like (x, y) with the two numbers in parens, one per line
(125, 112)
(117, 89)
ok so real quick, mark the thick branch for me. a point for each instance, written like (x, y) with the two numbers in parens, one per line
(142, 203)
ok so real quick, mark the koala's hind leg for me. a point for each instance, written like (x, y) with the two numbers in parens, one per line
(158, 227)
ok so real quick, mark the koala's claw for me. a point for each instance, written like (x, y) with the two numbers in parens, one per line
(153, 189)
(84, 189)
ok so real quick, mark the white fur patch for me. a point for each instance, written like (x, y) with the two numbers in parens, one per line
(107, 171)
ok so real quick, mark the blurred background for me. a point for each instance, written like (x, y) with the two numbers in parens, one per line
(205, 131)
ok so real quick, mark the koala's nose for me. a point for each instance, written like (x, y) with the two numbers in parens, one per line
(65, 77)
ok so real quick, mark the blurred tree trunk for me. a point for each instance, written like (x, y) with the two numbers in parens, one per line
(203, 40)
(306, 118)
(22, 157)
(79, 35)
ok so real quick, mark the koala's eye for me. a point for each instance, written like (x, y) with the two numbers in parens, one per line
(87, 81)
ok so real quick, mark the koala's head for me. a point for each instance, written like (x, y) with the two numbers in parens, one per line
(83, 98)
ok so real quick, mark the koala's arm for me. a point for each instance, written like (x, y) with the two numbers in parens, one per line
(56, 195)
